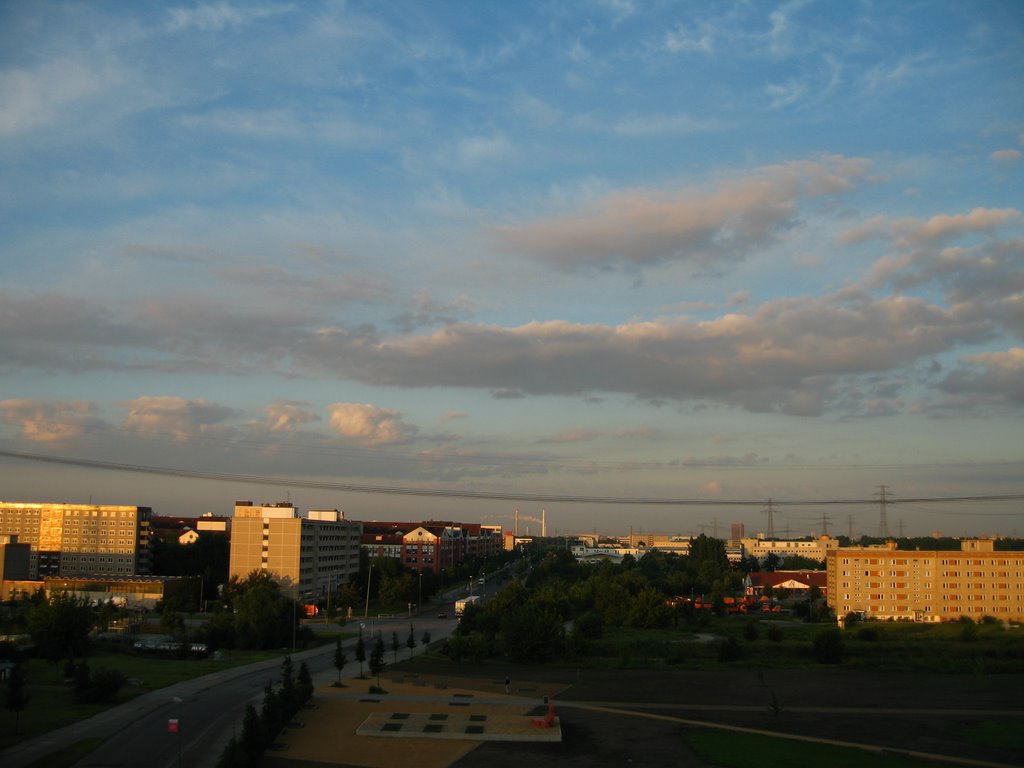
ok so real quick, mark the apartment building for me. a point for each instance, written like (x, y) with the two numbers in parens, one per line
(431, 545)
(883, 582)
(80, 539)
(308, 556)
(815, 549)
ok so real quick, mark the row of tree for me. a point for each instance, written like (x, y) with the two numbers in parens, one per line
(260, 729)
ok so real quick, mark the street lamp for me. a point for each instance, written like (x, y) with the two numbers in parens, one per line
(369, 578)
(420, 603)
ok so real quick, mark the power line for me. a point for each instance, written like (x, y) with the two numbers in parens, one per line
(458, 494)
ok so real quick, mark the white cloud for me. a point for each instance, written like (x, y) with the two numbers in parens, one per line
(707, 228)
(285, 416)
(984, 381)
(1011, 360)
(369, 424)
(38, 97)
(779, 357)
(574, 435)
(216, 17)
(682, 39)
(175, 416)
(48, 421)
(1006, 155)
(945, 226)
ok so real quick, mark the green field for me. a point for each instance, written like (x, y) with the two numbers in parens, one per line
(888, 646)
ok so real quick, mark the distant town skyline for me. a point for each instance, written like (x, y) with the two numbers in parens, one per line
(709, 251)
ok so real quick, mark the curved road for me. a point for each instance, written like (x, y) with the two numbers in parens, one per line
(209, 709)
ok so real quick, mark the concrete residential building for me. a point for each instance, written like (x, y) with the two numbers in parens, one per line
(307, 555)
(815, 549)
(80, 539)
(883, 582)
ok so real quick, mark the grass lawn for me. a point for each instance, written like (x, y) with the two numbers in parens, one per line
(65, 758)
(741, 750)
(996, 733)
(894, 646)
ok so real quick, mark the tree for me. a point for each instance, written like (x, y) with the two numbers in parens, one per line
(648, 609)
(425, 638)
(456, 648)
(303, 684)
(60, 627)
(410, 641)
(339, 658)
(287, 695)
(100, 687)
(15, 696)
(272, 717)
(377, 662)
(253, 740)
(360, 652)
(828, 646)
(264, 618)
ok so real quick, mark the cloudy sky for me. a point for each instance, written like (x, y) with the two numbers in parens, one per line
(694, 251)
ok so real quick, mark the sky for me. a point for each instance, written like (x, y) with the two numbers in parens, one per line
(654, 252)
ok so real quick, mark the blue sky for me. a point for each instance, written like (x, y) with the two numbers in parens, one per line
(715, 251)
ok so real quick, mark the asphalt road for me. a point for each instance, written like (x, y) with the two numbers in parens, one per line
(209, 709)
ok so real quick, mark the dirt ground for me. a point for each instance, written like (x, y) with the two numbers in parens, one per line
(924, 713)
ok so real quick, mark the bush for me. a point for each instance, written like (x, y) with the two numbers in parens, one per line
(828, 647)
(750, 631)
(969, 632)
(775, 633)
(729, 650)
(99, 687)
(590, 625)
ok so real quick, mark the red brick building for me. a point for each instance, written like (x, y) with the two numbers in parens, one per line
(431, 545)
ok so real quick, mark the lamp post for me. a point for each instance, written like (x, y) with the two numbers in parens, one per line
(369, 578)
(420, 603)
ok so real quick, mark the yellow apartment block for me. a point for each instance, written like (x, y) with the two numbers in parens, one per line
(883, 582)
(80, 539)
(308, 555)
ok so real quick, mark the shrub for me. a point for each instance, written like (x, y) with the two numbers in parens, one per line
(99, 687)
(828, 647)
(969, 632)
(867, 634)
(775, 633)
(729, 650)
(750, 631)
